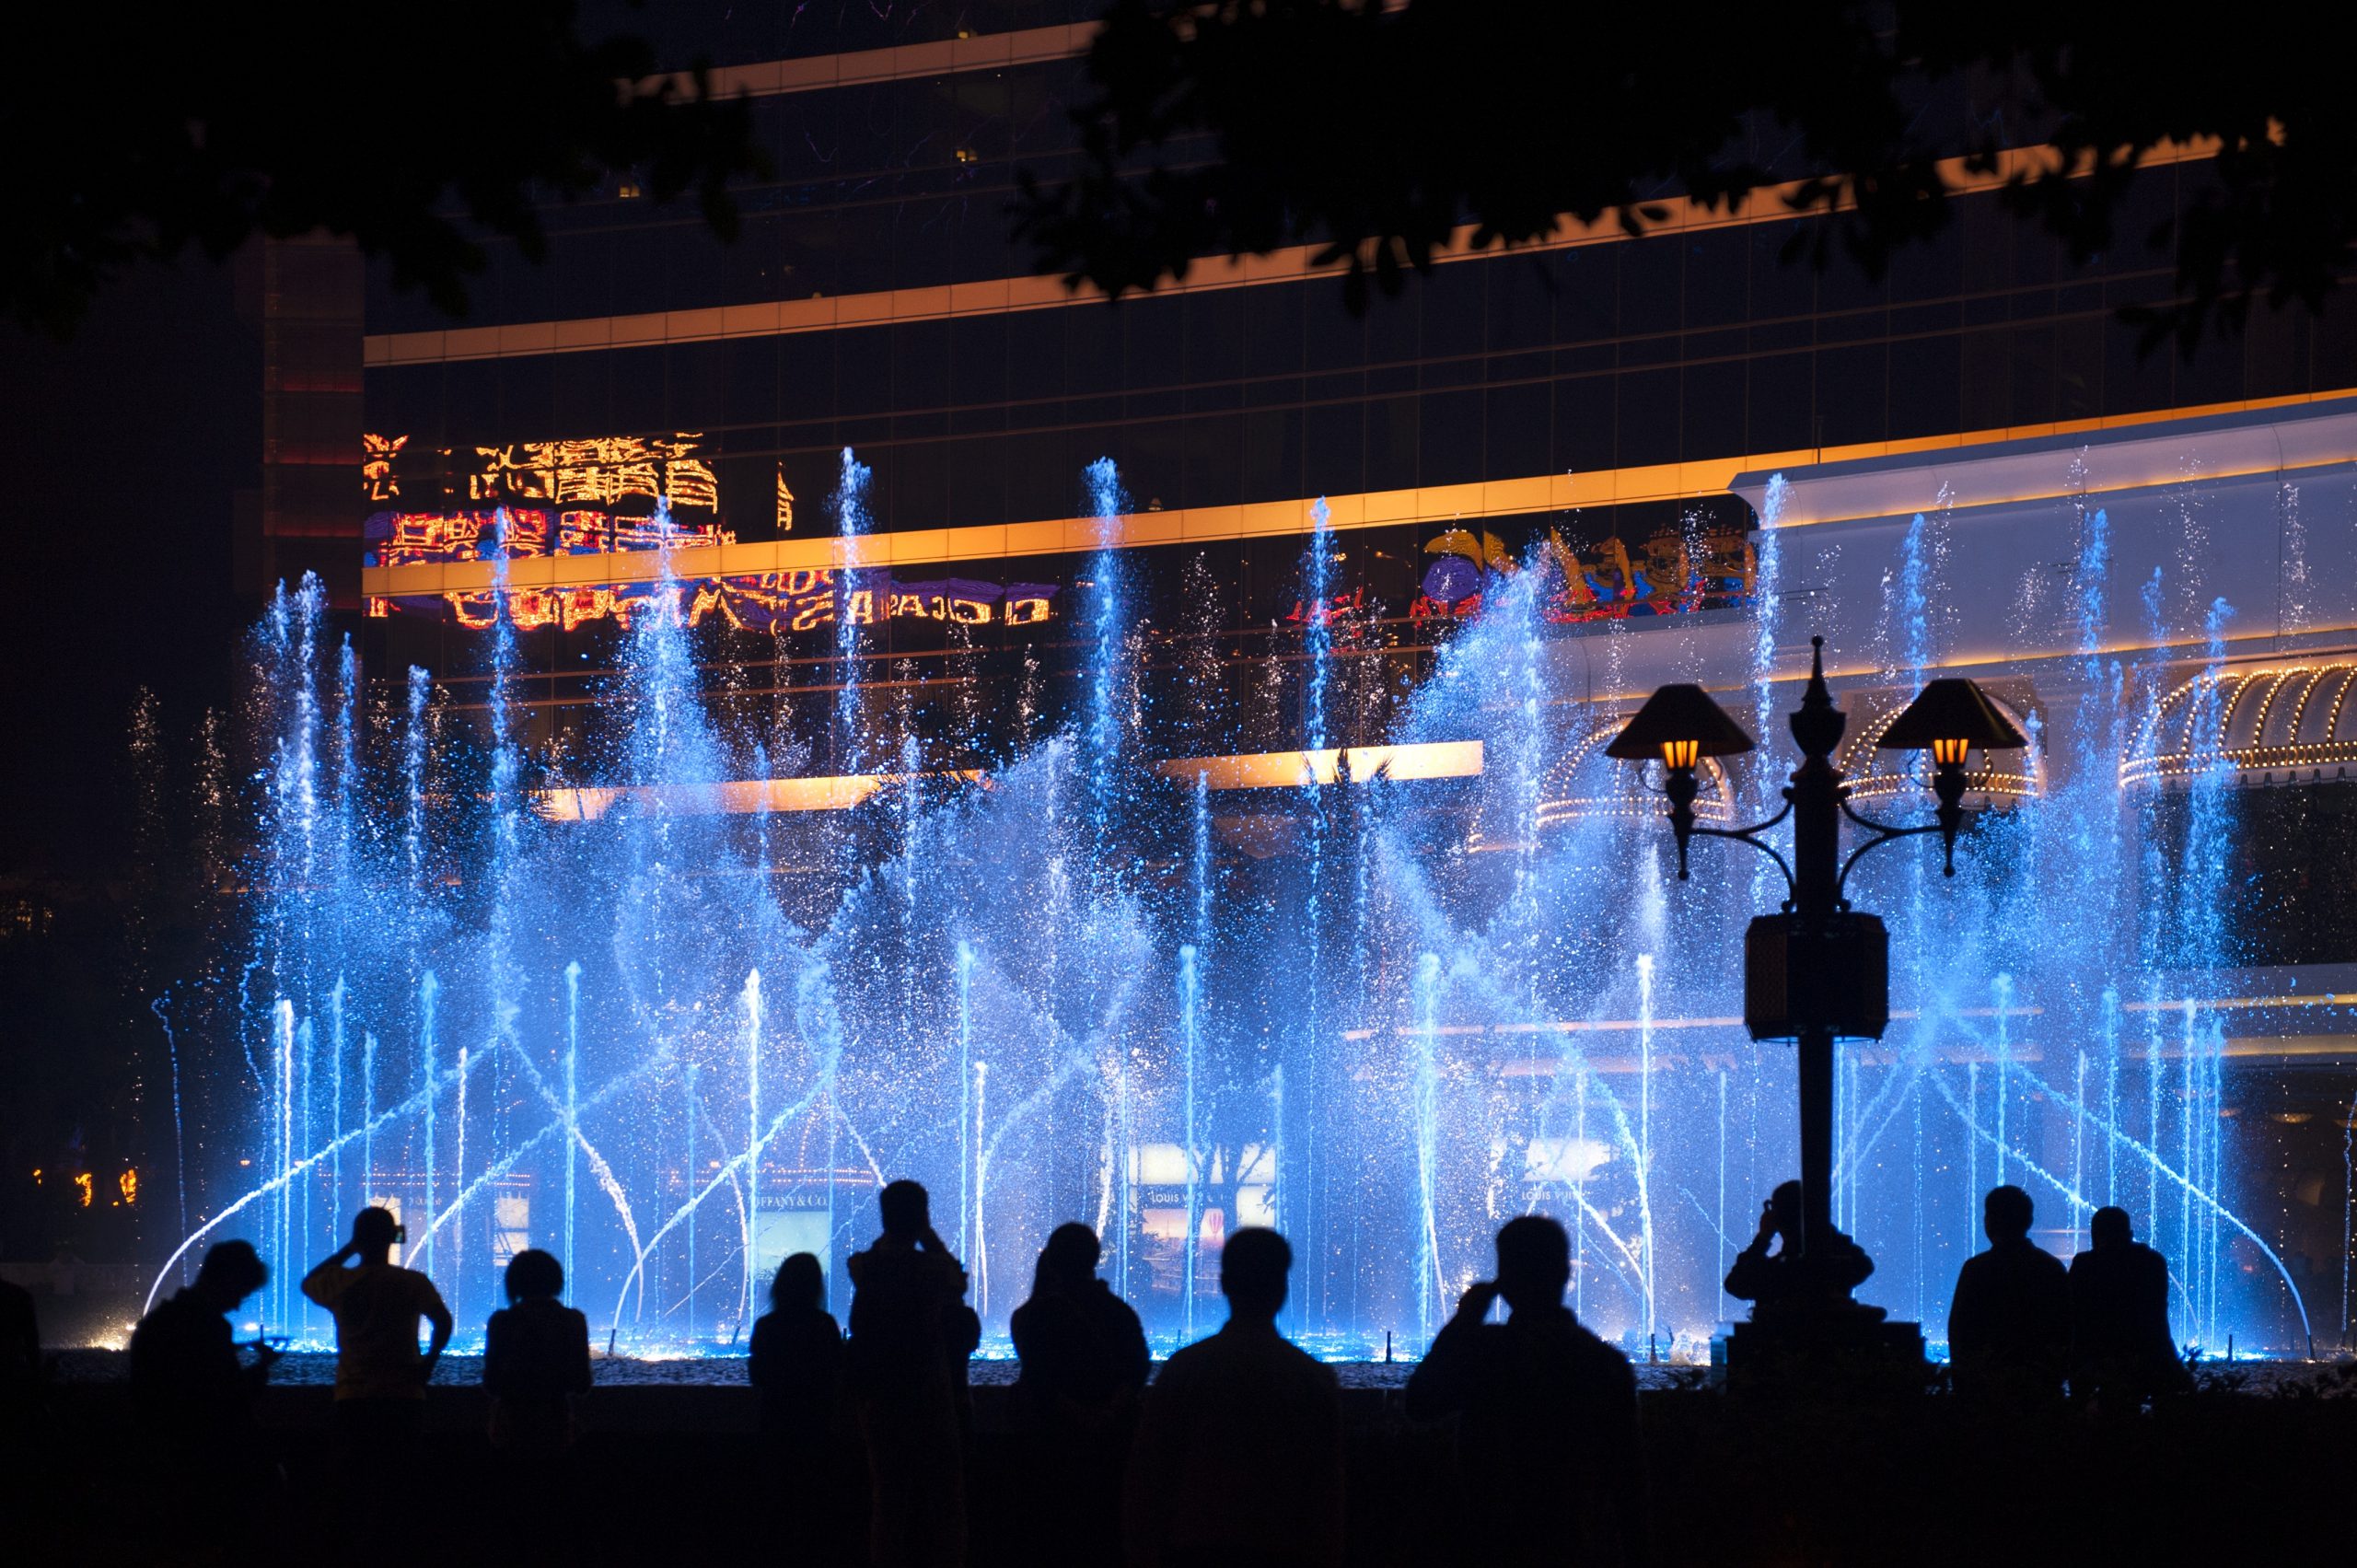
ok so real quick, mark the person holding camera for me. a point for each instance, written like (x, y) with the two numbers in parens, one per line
(381, 1375)
(911, 1333)
(1550, 1461)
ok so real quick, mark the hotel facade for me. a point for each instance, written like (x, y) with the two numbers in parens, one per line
(1713, 453)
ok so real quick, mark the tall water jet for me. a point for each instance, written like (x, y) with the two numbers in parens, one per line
(429, 993)
(753, 1004)
(2003, 993)
(572, 1116)
(1427, 1083)
(283, 1056)
(1645, 1152)
(1317, 636)
(852, 524)
(691, 1175)
(1109, 628)
(369, 1118)
(459, 1189)
(1191, 1001)
(161, 1007)
(966, 1142)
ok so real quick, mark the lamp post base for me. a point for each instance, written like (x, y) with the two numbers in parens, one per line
(1823, 1349)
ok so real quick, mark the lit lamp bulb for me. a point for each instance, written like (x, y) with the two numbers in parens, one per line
(1681, 725)
(1948, 719)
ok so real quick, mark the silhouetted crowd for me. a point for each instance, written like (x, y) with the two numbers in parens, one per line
(2022, 1328)
(1235, 1455)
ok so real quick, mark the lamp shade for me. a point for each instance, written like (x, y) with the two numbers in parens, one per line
(1951, 709)
(1678, 713)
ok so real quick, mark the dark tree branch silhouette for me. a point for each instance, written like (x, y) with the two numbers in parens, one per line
(414, 130)
(1376, 132)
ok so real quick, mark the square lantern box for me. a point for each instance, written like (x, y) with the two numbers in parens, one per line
(1831, 972)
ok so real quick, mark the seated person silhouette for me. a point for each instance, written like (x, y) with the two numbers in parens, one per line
(534, 1358)
(1084, 1361)
(797, 1359)
(2009, 1322)
(1548, 1452)
(1238, 1458)
(910, 1333)
(2121, 1351)
(1791, 1277)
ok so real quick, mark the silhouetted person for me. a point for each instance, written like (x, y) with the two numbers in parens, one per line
(1547, 1441)
(798, 1357)
(2121, 1351)
(1085, 1360)
(797, 1365)
(195, 1404)
(19, 1343)
(908, 1322)
(534, 1358)
(22, 1483)
(20, 1377)
(1083, 1351)
(185, 1379)
(535, 1365)
(2008, 1324)
(381, 1376)
(1238, 1458)
(1832, 1268)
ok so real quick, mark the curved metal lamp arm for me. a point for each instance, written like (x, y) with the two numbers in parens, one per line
(1745, 836)
(1883, 832)
(1748, 835)
(1744, 833)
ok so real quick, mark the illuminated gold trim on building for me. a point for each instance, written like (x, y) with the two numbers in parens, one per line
(1432, 504)
(841, 792)
(996, 296)
(737, 798)
(1826, 495)
(2246, 750)
(943, 57)
(1291, 770)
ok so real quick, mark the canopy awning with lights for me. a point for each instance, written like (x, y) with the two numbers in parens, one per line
(2276, 724)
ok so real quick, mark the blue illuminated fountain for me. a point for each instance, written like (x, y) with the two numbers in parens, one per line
(653, 1040)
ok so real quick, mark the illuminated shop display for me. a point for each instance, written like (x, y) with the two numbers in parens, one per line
(601, 471)
(804, 600)
(1677, 573)
(590, 498)
(631, 494)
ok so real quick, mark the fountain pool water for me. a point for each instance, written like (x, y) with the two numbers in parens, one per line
(679, 1040)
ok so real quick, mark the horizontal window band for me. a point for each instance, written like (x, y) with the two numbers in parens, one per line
(863, 67)
(1010, 294)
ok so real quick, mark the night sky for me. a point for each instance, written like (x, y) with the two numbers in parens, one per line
(122, 452)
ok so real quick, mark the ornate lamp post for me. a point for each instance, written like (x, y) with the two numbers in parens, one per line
(1817, 970)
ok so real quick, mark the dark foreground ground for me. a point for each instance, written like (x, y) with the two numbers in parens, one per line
(2258, 1470)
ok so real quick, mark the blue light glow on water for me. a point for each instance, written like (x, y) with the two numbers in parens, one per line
(663, 1047)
